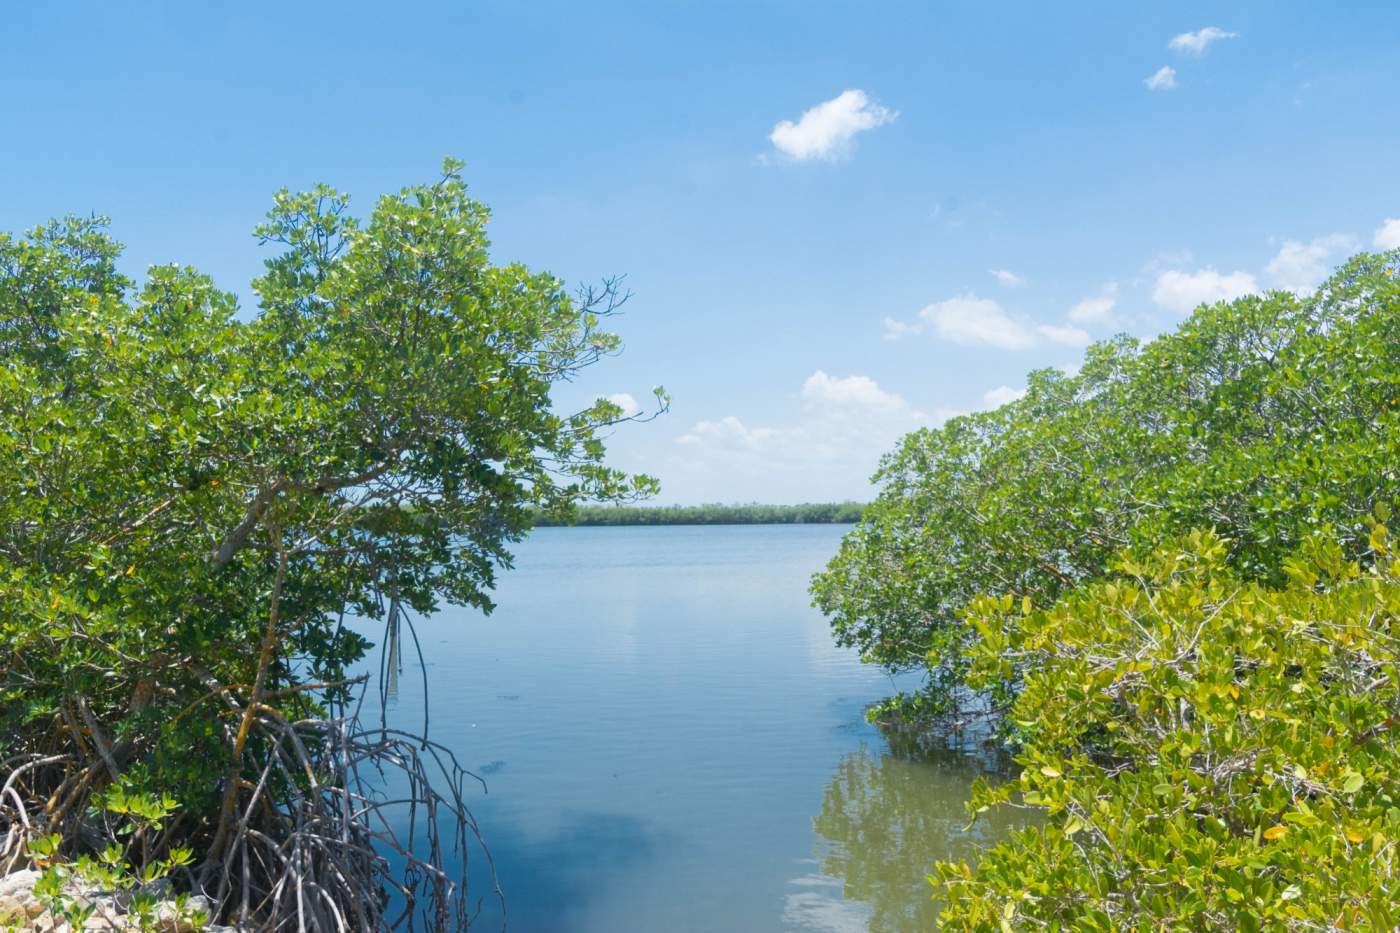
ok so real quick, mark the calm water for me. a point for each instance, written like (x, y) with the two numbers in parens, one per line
(672, 742)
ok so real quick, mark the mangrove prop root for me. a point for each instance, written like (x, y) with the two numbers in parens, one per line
(335, 826)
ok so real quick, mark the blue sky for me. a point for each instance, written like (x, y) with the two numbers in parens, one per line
(810, 200)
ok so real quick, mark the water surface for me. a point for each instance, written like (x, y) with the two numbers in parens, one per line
(672, 742)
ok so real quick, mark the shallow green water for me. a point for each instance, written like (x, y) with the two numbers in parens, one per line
(672, 742)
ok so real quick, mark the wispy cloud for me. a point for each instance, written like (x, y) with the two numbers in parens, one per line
(1066, 334)
(1388, 234)
(896, 329)
(1098, 309)
(834, 407)
(1182, 291)
(861, 391)
(1007, 278)
(827, 131)
(1301, 267)
(1002, 395)
(1163, 79)
(973, 321)
(967, 320)
(1196, 43)
(827, 448)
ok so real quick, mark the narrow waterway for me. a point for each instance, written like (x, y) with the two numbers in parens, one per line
(672, 742)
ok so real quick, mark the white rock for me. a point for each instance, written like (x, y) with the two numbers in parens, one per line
(18, 903)
(19, 883)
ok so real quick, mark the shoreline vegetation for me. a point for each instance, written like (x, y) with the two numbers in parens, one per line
(1167, 582)
(806, 513)
(192, 499)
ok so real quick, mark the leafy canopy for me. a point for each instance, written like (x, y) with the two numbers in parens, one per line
(1211, 752)
(190, 498)
(1264, 418)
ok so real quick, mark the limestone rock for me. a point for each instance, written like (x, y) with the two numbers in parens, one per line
(19, 884)
(20, 909)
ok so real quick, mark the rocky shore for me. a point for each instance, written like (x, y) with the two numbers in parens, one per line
(22, 909)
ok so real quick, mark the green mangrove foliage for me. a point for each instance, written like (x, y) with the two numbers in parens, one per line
(808, 513)
(1264, 418)
(1212, 751)
(133, 885)
(191, 499)
(1168, 577)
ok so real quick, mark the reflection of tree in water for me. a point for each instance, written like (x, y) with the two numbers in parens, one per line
(886, 820)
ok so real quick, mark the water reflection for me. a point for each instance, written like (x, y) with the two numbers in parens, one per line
(815, 906)
(552, 882)
(885, 820)
(659, 713)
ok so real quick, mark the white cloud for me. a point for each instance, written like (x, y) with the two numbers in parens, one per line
(1096, 310)
(973, 321)
(1196, 43)
(1002, 395)
(727, 434)
(832, 406)
(1183, 291)
(1008, 278)
(1163, 79)
(826, 131)
(849, 390)
(895, 329)
(827, 450)
(1388, 236)
(626, 402)
(1301, 267)
(1066, 334)
(970, 320)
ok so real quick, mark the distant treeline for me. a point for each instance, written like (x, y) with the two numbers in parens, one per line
(808, 513)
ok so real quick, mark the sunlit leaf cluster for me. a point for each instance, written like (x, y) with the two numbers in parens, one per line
(1211, 752)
